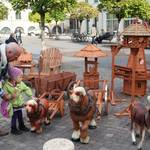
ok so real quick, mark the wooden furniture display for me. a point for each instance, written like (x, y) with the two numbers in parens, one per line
(91, 75)
(135, 74)
(104, 97)
(25, 63)
(46, 77)
(56, 102)
(91, 78)
(53, 81)
(50, 60)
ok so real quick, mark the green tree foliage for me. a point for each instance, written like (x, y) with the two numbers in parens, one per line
(83, 10)
(35, 17)
(115, 7)
(42, 7)
(57, 15)
(3, 11)
(139, 8)
(126, 8)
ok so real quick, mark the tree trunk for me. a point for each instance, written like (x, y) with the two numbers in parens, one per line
(76, 26)
(118, 33)
(42, 15)
(87, 24)
(80, 25)
(56, 31)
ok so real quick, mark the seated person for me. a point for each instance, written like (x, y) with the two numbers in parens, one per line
(103, 37)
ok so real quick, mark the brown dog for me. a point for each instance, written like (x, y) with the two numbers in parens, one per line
(82, 109)
(37, 112)
(140, 122)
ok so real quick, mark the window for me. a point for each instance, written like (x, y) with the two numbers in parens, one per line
(112, 23)
(5, 30)
(18, 15)
(96, 1)
(95, 21)
(128, 21)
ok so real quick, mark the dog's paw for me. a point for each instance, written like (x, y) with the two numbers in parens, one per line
(85, 140)
(75, 140)
(39, 131)
(92, 127)
(134, 143)
(138, 135)
(47, 123)
(33, 129)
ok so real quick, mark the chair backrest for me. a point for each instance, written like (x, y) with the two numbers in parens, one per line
(50, 59)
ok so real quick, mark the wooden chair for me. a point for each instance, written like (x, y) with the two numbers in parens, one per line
(50, 60)
(56, 102)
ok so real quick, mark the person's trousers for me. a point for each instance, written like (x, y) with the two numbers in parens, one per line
(17, 115)
(19, 40)
(93, 40)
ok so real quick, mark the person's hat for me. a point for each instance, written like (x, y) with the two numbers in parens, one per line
(14, 72)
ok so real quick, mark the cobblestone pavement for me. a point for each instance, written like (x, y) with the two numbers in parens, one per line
(111, 133)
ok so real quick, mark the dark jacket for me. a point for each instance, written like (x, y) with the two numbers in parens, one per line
(11, 39)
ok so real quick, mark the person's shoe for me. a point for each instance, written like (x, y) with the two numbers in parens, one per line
(3, 132)
(24, 128)
(16, 131)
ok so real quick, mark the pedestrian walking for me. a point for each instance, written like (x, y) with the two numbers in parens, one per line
(15, 87)
(8, 52)
(11, 39)
(18, 36)
(93, 34)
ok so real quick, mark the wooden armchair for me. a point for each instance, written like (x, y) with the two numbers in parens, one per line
(50, 61)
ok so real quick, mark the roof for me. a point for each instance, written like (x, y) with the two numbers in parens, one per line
(90, 50)
(137, 29)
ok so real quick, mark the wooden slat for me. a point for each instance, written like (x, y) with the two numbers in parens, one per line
(55, 106)
(51, 59)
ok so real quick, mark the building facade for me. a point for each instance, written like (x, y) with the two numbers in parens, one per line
(104, 22)
(21, 20)
(16, 20)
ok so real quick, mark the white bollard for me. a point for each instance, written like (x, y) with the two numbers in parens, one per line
(58, 144)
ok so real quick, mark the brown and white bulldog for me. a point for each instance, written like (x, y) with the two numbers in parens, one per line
(82, 109)
(37, 112)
